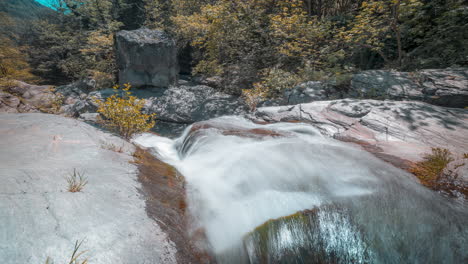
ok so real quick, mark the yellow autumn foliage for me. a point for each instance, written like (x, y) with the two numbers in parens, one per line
(123, 114)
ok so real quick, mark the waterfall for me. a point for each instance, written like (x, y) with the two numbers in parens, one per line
(283, 193)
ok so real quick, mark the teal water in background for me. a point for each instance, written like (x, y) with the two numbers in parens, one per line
(48, 3)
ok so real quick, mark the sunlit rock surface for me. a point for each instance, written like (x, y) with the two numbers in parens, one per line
(40, 218)
(445, 87)
(401, 129)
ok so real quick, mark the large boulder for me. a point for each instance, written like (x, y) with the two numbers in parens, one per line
(445, 87)
(188, 104)
(146, 58)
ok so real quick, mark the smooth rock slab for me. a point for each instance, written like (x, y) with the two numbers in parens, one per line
(40, 218)
(399, 129)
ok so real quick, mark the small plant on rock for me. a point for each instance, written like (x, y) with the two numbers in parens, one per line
(432, 167)
(75, 257)
(123, 113)
(76, 181)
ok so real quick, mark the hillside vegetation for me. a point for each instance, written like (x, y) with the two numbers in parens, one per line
(260, 44)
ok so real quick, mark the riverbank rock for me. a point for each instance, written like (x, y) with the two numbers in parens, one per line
(188, 104)
(444, 87)
(12, 104)
(399, 132)
(41, 219)
(29, 98)
(146, 58)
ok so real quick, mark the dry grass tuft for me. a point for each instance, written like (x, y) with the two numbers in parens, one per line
(76, 181)
(74, 259)
(432, 167)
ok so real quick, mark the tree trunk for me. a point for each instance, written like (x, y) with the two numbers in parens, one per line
(396, 29)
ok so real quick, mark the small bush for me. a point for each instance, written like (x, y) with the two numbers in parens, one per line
(76, 181)
(432, 167)
(123, 113)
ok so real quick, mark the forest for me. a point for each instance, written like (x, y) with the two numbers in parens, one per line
(255, 47)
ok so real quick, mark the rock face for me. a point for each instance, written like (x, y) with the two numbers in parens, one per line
(444, 87)
(27, 98)
(12, 104)
(146, 58)
(447, 87)
(41, 219)
(188, 104)
(400, 132)
(177, 104)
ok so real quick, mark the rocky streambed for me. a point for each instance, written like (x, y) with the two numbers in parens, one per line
(309, 177)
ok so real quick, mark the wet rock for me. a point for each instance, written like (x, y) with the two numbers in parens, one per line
(399, 132)
(37, 152)
(321, 235)
(444, 87)
(164, 189)
(146, 58)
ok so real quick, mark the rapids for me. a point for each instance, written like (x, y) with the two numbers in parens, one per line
(368, 210)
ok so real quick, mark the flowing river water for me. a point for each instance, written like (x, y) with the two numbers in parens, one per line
(291, 195)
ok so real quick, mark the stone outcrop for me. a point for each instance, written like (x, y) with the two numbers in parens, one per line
(41, 219)
(12, 104)
(146, 58)
(177, 104)
(444, 87)
(188, 104)
(27, 98)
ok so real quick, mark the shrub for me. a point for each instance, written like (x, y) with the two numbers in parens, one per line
(123, 113)
(432, 167)
(76, 181)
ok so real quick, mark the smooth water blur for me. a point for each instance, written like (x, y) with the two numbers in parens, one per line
(237, 183)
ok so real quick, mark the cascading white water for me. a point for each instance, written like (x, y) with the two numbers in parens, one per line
(237, 182)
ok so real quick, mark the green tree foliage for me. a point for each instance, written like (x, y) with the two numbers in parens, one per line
(13, 62)
(250, 43)
(77, 40)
